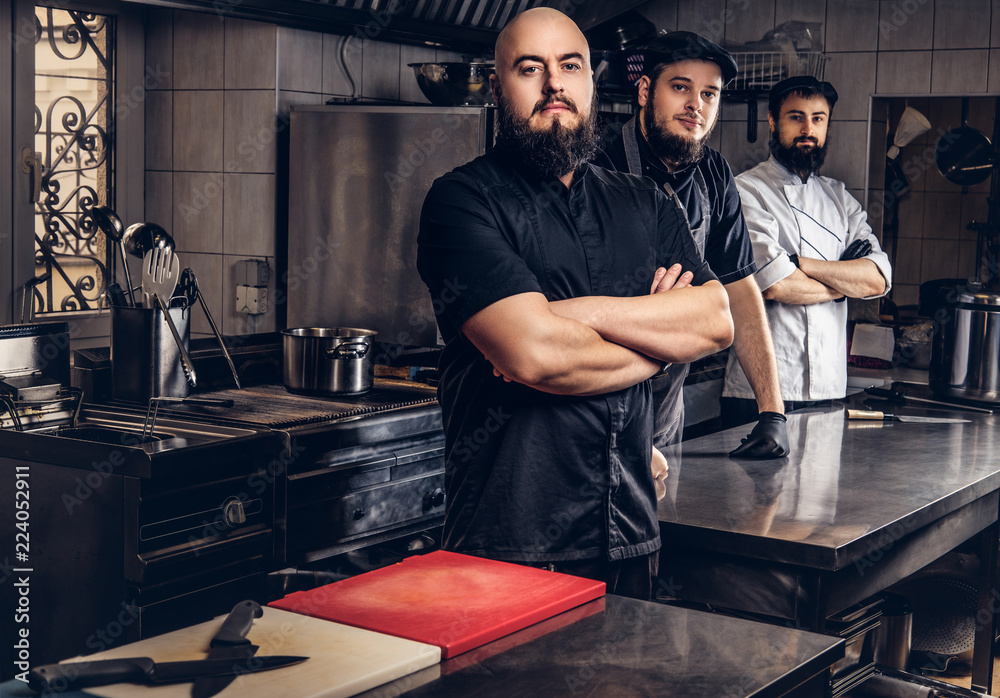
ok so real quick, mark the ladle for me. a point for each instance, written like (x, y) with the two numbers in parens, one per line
(109, 222)
(140, 238)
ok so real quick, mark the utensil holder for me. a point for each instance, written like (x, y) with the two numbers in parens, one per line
(145, 359)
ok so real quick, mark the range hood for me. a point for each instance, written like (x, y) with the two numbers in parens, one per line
(461, 25)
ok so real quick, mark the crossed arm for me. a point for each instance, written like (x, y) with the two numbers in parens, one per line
(818, 280)
(599, 344)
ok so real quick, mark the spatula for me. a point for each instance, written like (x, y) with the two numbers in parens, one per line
(160, 271)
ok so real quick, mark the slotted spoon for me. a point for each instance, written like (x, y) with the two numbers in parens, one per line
(160, 271)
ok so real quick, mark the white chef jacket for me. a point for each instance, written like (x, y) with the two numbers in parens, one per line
(818, 219)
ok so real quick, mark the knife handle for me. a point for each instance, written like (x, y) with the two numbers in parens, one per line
(64, 677)
(865, 414)
(237, 624)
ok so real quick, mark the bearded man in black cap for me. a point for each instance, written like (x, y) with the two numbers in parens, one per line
(679, 95)
(813, 248)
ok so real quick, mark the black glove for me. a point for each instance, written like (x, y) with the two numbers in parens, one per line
(767, 440)
(856, 250)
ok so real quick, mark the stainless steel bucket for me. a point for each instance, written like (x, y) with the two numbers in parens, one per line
(965, 361)
(145, 360)
(328, 360)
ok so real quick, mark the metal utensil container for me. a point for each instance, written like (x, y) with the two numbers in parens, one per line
(145, 359)
(965, 359)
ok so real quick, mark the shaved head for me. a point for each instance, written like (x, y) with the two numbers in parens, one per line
(536, 27)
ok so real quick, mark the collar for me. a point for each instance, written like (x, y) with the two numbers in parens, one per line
(504, 153)
(784, 175)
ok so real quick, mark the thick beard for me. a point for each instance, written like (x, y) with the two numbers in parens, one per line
(668, 146)
(552, 153)
(804, 163)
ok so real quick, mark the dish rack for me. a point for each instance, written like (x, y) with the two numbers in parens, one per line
(759, 71)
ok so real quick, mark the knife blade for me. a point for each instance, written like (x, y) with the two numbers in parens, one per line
(898, 396)
(57, 678)
(229, 643)
(872, 414)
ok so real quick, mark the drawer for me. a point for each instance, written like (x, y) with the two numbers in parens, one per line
(318, 525)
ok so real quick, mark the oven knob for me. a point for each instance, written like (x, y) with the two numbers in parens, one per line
(232, 512)
(434, 499)
(359, 514)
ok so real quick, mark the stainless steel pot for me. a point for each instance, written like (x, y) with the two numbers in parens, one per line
(965, 361)
(328, 360)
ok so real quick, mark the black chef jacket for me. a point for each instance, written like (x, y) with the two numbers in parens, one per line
(708, 192)
(531, 476)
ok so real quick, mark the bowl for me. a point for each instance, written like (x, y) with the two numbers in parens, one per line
(455, 84)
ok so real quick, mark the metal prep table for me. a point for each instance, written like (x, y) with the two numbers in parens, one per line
(855, 507)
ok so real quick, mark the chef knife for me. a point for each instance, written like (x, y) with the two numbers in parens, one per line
(896, 395)
(872, 414)
(72, 675)
(229, 643)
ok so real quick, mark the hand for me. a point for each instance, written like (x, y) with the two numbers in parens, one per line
(659, 466)
(668, 279)
(857, 250)
(767, 440)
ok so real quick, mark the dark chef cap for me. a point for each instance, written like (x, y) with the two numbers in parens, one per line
(683, 46)
(803, 84)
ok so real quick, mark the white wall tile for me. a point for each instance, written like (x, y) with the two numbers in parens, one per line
(198, 198)
(961, 24)
(248, 214)
(251, 131)
(337, 80)
(905, 26)
(903, 72)
(159, 199)
(158, 108)
(851, 25)
(300, 60)
(748, 21)
(250, 55)
(852, 76)
(959, 72)
(199, 40)
(159, 33)
(197, 134)
(846, 158)
(380, 70)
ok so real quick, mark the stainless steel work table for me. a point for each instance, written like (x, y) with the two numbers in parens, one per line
(856, 507)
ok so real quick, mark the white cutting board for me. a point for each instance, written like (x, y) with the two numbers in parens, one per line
(344, 661)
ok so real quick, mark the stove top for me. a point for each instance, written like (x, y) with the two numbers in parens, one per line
(274, 407)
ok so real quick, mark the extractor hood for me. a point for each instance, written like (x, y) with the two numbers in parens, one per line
(462, 25)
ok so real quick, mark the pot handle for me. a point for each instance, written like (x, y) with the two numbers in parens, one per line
(348, 350)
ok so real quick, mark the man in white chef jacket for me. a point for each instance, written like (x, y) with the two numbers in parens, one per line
(813, 248)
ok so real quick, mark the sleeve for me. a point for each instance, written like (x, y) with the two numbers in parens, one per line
(773, 263)
(858, 229)
(464, 258)
(728, 250)
(676, 244)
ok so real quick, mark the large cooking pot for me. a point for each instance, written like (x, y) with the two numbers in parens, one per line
(965, 360)
(328, 360)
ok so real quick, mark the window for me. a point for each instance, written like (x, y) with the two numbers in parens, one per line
(75, 137)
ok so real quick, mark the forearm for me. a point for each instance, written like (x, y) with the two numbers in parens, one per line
(679, 326)
(529, 344)
(800, 289)
(753, 344)
(854, 278)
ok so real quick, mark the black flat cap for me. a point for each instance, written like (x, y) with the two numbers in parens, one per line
(800, 83)
(685, 46)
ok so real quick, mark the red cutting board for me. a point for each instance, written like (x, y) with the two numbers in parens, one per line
(457, 602)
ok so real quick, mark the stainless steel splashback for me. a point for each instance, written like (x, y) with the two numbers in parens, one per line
(358, 177)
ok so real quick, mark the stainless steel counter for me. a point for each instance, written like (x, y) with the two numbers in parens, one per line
(857, 506)
(618, 646)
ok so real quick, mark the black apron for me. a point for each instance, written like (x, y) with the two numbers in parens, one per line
(668, 399)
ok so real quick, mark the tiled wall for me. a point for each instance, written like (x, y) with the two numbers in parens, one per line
(884, 47)
(214, 121)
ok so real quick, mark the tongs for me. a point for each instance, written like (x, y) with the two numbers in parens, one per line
(187, 288)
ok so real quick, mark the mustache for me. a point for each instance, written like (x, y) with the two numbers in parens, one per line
(805, 139)
(690, 117)
(549, 101)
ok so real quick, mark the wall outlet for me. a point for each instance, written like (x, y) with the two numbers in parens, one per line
(251, 300)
